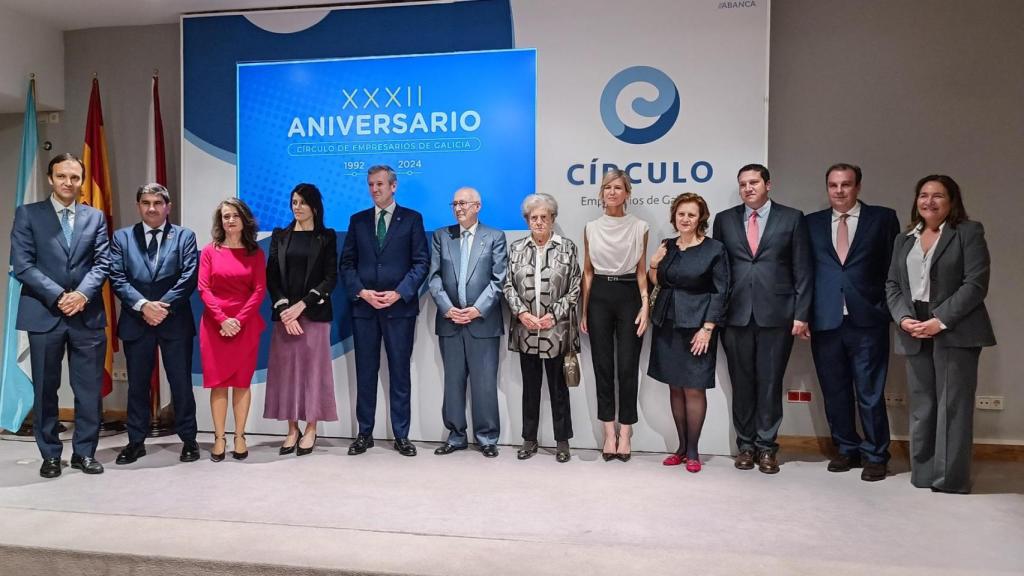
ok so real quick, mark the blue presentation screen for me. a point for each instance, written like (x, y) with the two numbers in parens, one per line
(441, 121)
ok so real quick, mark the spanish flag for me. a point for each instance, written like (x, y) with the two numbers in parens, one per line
(96, 192)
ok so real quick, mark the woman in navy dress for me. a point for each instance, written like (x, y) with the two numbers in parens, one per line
(692, 273)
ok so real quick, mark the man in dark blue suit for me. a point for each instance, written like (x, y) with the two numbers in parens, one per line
(153, 270)
(60, 253)
(852, 246)
(769, 304)
(384, 261)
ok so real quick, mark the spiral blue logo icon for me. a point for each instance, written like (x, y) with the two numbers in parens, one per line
(664, 107)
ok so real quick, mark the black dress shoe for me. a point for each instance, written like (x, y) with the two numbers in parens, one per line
(446, 448)
(218, 456)
(873, 471)
(404, 447)
(190, 451)
(359, 445)
(624, 457)
(608, 456)
(243, 454)
(489, 450)
(50, 468)
(745, 460)
(300, 451)
(844, 462)
(86, 464)
(562, 451)
(286, 450)
(527, 451)
(130, 453)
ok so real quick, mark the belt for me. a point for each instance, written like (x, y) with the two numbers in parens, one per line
(623, 278)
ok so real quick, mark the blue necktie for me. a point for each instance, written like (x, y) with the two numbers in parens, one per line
(464, 249)
(65, 225)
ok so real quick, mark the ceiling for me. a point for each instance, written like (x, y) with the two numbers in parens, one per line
(79, 14)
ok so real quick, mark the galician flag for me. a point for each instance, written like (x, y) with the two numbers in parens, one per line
(16, 393)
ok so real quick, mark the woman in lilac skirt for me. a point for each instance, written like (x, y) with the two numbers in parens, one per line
(301, 272)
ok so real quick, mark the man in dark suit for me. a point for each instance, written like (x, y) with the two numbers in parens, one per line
(467, 270)
(852, 245)
(769, 304)
(153, 270)
(384, 261)
(60, 253)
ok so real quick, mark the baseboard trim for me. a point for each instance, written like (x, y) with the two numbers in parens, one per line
(901, 448)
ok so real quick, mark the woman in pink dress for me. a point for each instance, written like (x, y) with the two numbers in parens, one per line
(232, 283)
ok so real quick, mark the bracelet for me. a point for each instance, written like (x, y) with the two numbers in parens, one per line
(706, 329)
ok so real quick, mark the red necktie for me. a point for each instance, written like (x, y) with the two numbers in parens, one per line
(752, 232)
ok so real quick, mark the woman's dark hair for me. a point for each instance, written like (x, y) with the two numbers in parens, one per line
(248, 224)
(957, 212)
(702, 208)
(310, 194)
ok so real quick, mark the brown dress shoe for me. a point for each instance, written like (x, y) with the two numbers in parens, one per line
(843, 463)
(767, 463)
(745, 460)
(873, 472)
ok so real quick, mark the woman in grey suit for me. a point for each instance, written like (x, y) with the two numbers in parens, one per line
(542, 286)
(936, 291)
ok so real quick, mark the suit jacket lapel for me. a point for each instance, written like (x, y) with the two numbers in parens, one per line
(282, 253)
(76, 232)
(169, 237)
(315, 245)
(770, 228)
(826, 232)
(741, 231)
(476, 250)
(865, 221)
(396, 221)
(53, 220)
(140, 243)
(944, 239)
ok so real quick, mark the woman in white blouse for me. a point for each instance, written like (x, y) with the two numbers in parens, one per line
(936, 291)
(615, 309)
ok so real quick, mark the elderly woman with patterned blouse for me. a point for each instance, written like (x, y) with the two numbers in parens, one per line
(542, 287)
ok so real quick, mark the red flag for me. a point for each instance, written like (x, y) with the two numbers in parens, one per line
(96, 192)
(156, 171)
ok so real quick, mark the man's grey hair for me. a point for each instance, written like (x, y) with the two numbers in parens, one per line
(540, 200)
(392, 177)
(153, 188)
(473, 193)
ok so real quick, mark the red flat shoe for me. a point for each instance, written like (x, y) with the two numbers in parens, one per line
(693, 465)
(673, 460)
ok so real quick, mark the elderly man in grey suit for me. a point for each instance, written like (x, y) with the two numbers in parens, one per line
(467, 269)
(769, 304)
(60, 253)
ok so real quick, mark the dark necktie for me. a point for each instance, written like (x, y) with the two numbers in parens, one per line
(382, 229)
(151, 248)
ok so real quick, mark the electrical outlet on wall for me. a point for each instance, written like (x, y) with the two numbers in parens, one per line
(989, 403)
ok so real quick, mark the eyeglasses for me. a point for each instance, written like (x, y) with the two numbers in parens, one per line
(462, 204)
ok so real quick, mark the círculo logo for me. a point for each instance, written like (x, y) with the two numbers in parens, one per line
(665, 107)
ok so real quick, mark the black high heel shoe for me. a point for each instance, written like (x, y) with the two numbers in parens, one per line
(218, 457)
(300, 451)
(286, 450)
(240, 455)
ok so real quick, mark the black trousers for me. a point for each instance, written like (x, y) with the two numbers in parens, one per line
(614, 346)
(757, 362)
(533, 367)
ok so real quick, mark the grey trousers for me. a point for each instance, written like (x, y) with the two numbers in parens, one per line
(942, 383)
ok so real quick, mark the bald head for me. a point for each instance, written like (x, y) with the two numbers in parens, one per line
(466, 205)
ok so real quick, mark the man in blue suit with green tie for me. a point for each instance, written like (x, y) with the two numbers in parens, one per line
(384, 261)
(851, 243)
(60, 253)
(153, 270)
